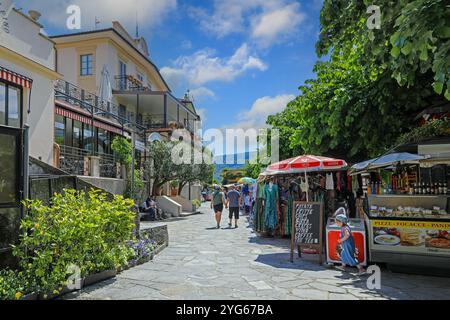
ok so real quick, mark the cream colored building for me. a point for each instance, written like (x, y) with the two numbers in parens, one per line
(28, 52)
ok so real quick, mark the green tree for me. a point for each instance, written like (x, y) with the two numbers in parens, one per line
(159, 166)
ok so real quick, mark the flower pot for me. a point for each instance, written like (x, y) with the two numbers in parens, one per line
(98, 277)
(174, 192)
(51, 296)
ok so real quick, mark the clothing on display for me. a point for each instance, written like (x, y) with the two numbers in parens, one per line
(271, 206)
(330, 182)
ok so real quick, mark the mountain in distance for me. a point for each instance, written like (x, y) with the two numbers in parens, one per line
(221, 162)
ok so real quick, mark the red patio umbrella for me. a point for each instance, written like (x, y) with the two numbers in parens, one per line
(306, 163)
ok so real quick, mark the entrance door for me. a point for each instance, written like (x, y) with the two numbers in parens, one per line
(11, 189)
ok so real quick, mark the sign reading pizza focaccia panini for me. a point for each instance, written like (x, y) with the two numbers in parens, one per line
(308, 223)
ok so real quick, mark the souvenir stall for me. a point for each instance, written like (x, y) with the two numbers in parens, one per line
(407, 203)
(319, 181)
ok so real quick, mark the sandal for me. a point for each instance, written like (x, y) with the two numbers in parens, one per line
(341, 268)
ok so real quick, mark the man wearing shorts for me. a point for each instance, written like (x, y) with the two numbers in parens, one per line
(217, 203)
(233, 201)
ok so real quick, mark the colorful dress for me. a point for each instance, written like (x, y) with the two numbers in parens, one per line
(270, 207)
(348, 254)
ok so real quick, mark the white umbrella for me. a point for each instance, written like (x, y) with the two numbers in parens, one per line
(105, 93)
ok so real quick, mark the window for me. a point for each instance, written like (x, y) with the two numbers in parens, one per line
(77, 127)
(86, 65)
(122, 111)
(123, 75)
(8, 169)
(2, 104)
(60, 130)
(13, 107)
(88, 137)
(102, 141)
(10, 105)
(140, 77)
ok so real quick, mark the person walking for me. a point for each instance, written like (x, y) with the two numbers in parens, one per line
(217, 203)
(348, 254)
(233, 201)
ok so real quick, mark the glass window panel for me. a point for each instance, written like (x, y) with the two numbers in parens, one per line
(60, 130)
(77, 127)
(88, 137)
(13, 107)
(86, 64)
(8, 169)
(102, 141)
(2, 103)
(9, 231)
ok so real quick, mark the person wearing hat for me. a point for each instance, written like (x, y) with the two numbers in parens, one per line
(347, 242)
(217, 202)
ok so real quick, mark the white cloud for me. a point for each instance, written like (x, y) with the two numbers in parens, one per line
(256, 116)
(277, 25)
(267, 22)
(150, 12)
(199, 94)
(205, 66)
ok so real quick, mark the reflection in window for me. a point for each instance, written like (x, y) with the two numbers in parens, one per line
(102, 141)
(13, 107)
(8, 170)
(2, 104)
(77, 127)
(88, 137)
(60, 129)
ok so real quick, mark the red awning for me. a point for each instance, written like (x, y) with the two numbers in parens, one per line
(15, 78)
(87, 120)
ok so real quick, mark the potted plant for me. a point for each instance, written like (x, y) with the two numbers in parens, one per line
(196, 204)
(174, 188)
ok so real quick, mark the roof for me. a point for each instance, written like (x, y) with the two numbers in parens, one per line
(123, 38)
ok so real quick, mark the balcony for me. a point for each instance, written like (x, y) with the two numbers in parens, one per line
(78, 97)
(72, 160)
(129, 83)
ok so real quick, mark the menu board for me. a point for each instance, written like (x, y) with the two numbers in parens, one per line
(411, 236)
(307, 227)
(308, 224)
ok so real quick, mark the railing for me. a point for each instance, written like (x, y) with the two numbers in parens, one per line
(129, 83)
(65, 91)
(72, 160)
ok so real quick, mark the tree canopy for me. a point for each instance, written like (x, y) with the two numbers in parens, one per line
(366, 92)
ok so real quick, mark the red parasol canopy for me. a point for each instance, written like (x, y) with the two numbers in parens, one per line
(306, 163)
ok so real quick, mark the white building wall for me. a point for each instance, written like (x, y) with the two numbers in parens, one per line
(24, 40)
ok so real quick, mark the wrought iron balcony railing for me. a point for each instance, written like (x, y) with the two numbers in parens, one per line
(72, 160)
(129, 83)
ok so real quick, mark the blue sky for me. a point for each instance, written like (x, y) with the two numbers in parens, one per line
(242, 60)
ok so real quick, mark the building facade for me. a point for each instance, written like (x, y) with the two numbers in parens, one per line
(87, 120)
(27, 74)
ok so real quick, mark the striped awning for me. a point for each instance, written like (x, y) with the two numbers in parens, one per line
(87, 120)
(15, 78)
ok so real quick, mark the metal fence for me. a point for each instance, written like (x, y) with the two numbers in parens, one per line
(72, 160)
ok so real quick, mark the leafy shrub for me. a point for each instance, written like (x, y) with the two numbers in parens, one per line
(14, 285)
(197, 203)
(79, 229)
(143, 249)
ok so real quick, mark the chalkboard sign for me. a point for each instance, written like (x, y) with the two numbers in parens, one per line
(307, 226)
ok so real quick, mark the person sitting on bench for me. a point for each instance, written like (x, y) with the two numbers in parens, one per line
(150, 208)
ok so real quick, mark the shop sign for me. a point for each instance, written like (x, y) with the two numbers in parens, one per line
(416, 237)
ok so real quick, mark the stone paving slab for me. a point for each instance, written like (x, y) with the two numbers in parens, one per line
(203, 263)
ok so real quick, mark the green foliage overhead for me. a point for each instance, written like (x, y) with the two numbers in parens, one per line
(413, 39)
(366, 94)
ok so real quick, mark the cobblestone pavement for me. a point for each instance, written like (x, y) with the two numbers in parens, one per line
(229, 264)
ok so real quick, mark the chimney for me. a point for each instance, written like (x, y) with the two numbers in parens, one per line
(35, 15)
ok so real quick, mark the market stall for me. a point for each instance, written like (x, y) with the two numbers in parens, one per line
(407, 210)
(297, 196)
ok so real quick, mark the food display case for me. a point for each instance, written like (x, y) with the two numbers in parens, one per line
(334, 233)
(412, 230)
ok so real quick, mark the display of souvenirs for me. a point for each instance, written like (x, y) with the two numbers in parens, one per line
(408, 212)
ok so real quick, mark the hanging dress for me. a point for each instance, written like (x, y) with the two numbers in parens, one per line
(270, 207)
(259, 210)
